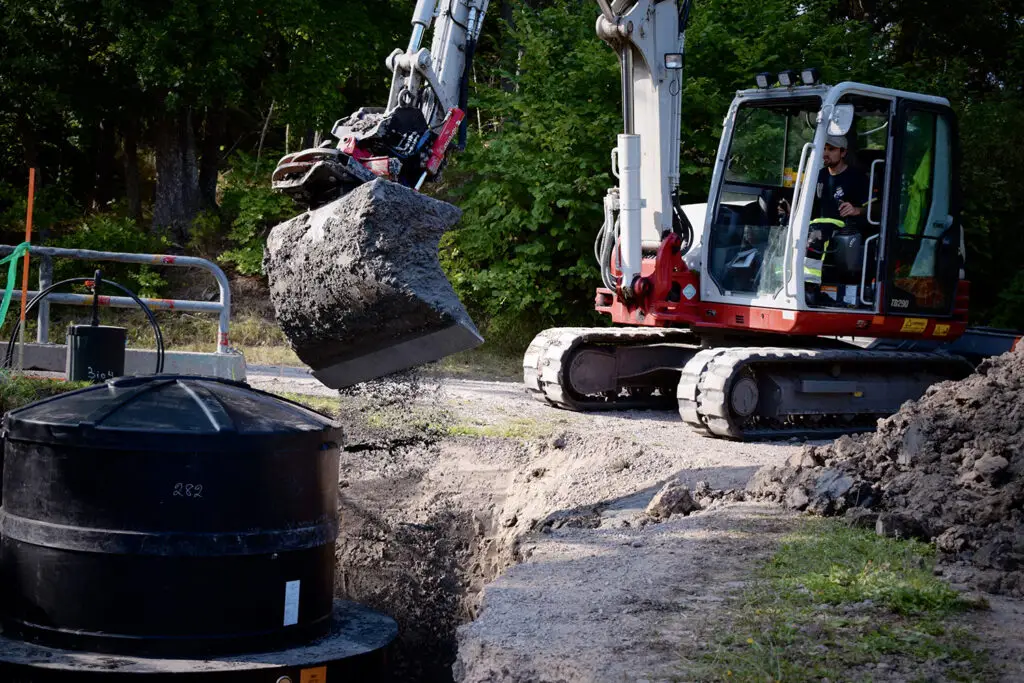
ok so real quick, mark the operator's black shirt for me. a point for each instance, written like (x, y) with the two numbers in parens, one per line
(849, 186)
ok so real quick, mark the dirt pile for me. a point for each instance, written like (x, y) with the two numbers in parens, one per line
(948, 468)
(357, 286)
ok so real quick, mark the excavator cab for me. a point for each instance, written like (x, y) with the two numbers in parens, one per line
(754, 316)
(766, 242)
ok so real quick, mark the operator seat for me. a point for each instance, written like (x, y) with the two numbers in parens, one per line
(768, 202)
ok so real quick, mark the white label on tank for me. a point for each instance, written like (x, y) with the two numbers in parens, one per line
(689, 291)
(789, 315)
(291, 603)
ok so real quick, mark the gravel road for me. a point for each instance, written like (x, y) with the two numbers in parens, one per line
(510, 538)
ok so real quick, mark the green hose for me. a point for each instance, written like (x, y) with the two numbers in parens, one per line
(12, 274)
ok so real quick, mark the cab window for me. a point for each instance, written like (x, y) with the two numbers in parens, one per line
(925, 253)
(746, 241)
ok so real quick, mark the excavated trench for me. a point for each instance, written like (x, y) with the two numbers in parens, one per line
(358, 290)
(431, 514)
(421, 531)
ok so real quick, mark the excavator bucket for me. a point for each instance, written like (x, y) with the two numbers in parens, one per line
(357, 287)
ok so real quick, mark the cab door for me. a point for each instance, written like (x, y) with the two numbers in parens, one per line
(922, 256)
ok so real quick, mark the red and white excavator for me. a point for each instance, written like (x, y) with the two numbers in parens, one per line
(720, 308)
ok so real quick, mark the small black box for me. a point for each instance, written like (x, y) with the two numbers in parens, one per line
(95, 353)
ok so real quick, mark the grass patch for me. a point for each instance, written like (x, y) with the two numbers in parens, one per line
(261, 341)
(432, 421)
(518, 428)
(20, 390)
(329, 406)
(835, 602)
(482, 362)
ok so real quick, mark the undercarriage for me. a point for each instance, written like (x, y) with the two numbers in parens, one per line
(737, 392)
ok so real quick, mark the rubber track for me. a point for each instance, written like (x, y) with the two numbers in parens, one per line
(546, 363)
(711, 392)
(689, 387)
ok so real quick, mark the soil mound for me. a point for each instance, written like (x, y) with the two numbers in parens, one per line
(948, 468)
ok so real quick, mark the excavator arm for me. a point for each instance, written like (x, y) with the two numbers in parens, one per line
(649, 37)
(355, 280)
(408, 140)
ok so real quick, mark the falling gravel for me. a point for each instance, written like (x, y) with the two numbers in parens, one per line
(357, 287)
(948, 468)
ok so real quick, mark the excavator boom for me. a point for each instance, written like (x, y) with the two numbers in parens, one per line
(355, 280)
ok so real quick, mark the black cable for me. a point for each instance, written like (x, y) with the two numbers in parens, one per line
(684, 22)
(157, 333)
(452, 15)
(684, 15)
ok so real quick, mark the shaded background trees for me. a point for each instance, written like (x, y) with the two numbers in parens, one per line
(145, 102)
(510, 262)
(147, 123)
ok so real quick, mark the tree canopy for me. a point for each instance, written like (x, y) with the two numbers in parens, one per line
(164, 118)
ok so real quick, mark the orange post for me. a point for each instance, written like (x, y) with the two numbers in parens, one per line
(24, 274)
(28, 238)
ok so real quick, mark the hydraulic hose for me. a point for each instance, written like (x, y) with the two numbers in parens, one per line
(604, 247)
(464, 91)
(158, 335)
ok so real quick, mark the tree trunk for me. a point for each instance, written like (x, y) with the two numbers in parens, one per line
(102, 190)
(132, 190)
(177, 177)
(209, 164)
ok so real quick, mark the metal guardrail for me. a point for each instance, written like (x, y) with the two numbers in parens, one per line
(47, 254)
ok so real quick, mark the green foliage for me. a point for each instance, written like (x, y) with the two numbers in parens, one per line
(78, 79)
(111, 232)
(206, 235)
(1010, 309)
(728, 42)
(51, 207)
(251, 209)
(531, 190)
(992, 140)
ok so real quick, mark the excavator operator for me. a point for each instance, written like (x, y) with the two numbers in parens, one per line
(841, 195)
(842, 190)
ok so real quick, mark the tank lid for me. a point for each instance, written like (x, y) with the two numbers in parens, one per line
(167, 413)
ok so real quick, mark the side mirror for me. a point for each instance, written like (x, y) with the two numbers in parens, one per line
(841, 120)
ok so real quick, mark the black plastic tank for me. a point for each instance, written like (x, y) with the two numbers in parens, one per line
(172, 516)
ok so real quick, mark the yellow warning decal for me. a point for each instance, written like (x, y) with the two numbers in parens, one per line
(941, 331)
(317, 674)
(914, 325)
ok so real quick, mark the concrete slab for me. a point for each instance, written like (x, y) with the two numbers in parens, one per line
(53, 358)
